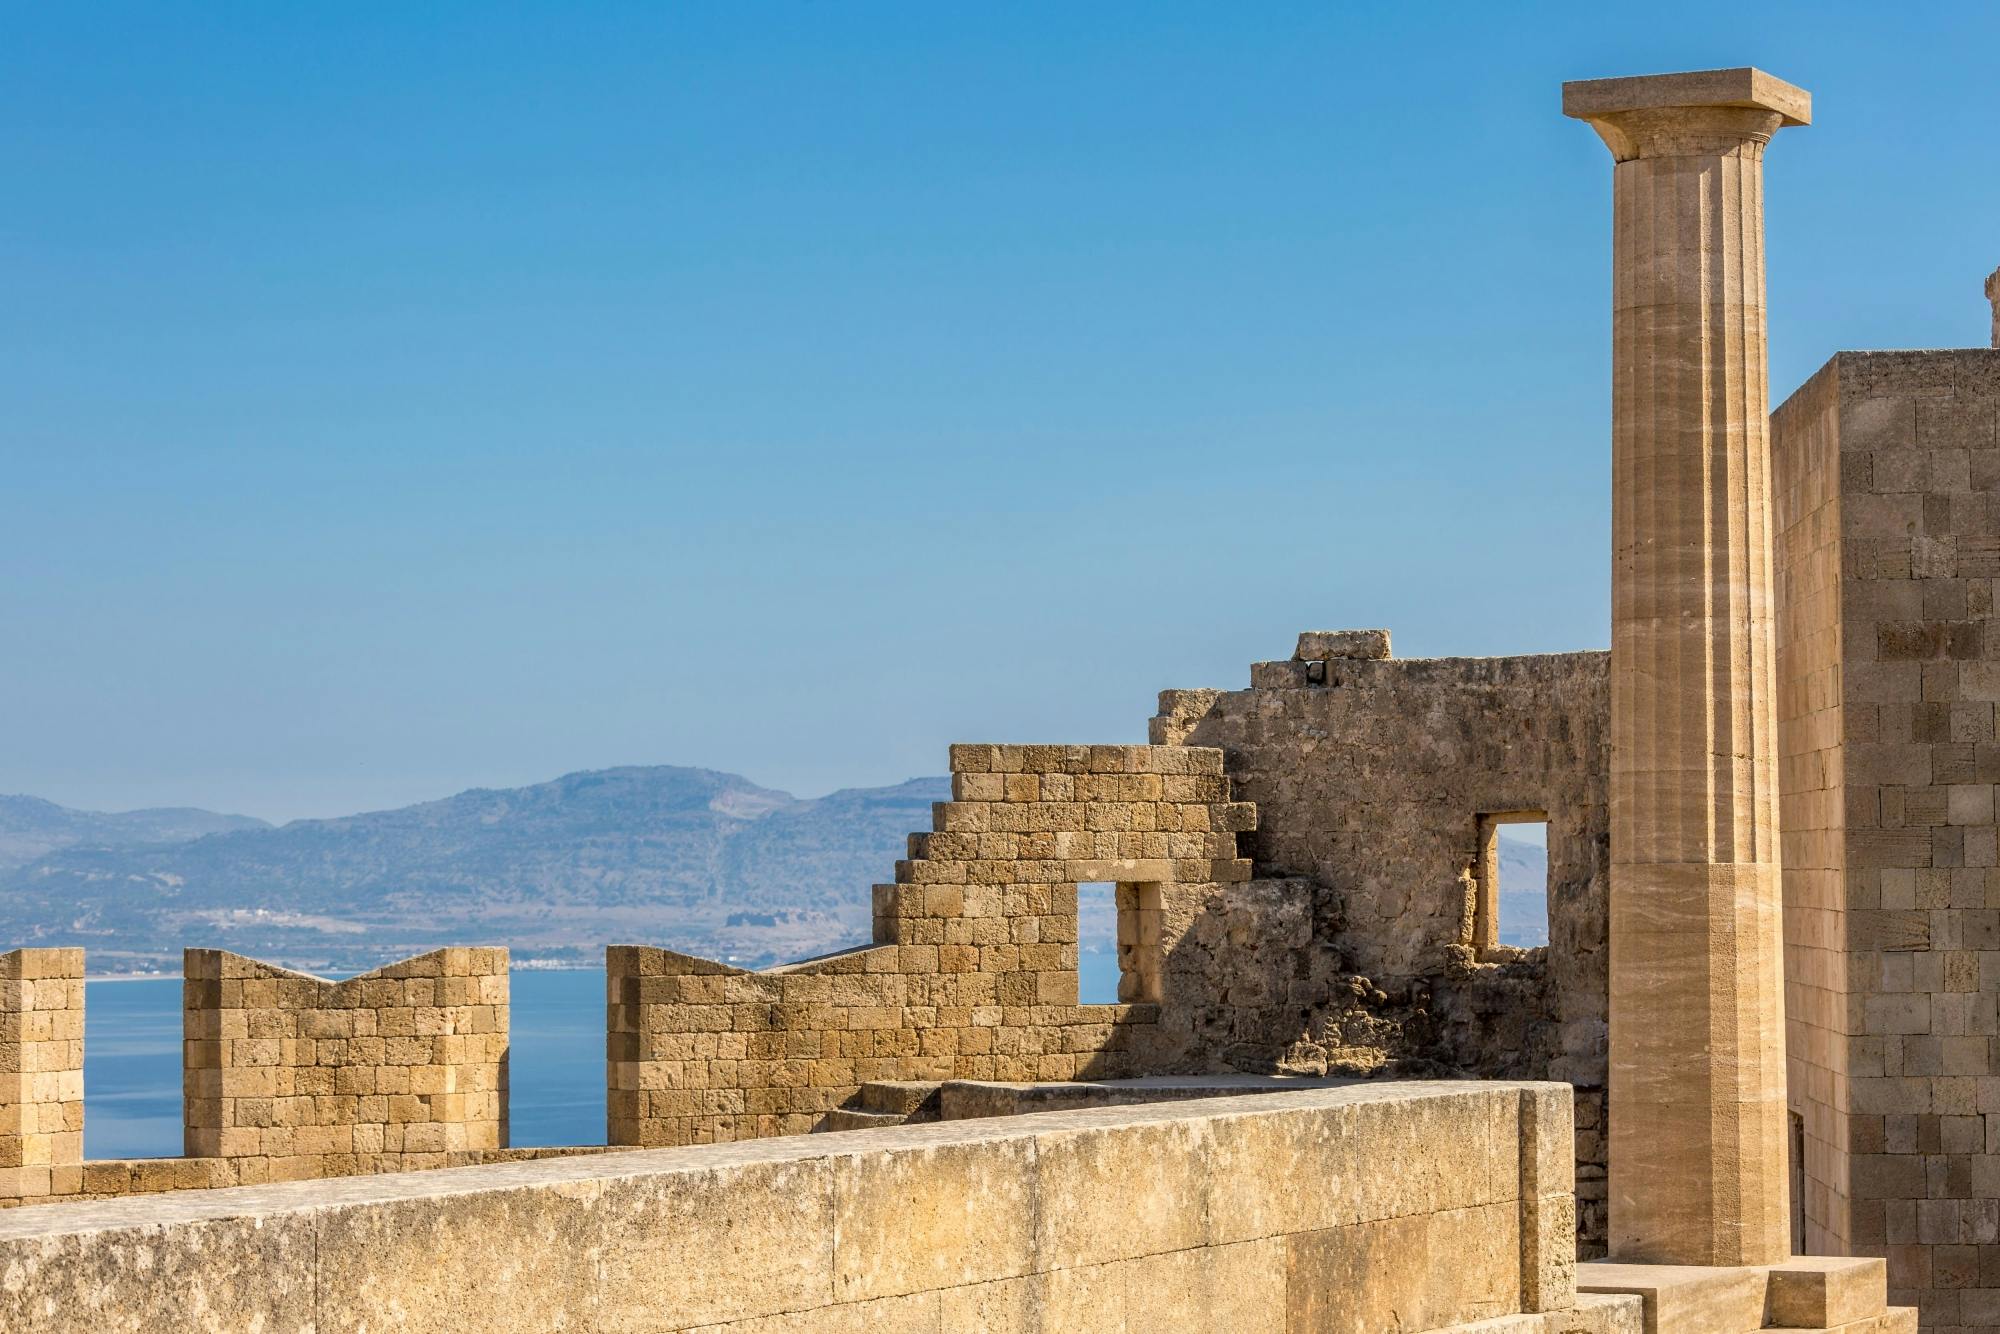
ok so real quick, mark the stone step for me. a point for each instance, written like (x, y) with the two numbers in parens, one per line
(1592, 1314)
(842, 1118)
(1804, 1295)
(1825, 1291)
(1683, 1298)
(911, 1099)
(1895, 1320)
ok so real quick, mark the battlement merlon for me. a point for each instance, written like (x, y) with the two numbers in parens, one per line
(1668, 115)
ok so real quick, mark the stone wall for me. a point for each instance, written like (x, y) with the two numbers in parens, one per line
(41, 1072)
(1430, 1206)
(294, 1076)
(973, 973)
(1913, 1128)
(1374, 782)
(1813, 819)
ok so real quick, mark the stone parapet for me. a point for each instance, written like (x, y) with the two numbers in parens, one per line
(1430, 1207)
(295, 1076)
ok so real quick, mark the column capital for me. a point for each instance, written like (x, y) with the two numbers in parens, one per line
(1671, 115)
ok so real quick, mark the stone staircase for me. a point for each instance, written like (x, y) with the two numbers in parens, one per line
(885, 1102)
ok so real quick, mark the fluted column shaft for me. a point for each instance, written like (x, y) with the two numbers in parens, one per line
(1698, 1122)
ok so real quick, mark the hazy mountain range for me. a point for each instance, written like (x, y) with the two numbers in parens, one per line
(1524, 892)
(693, 859)
(703, 861)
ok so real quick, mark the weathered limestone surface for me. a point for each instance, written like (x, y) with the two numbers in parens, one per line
(1372, 780)
(1809, 1293)
(1409, 1206)
(1327, 645)
(293, 1076)
(1698, 1118)
(973, 973)
(1811, 725)
(1889, 467)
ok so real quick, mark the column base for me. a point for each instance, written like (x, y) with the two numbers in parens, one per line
(1808, 1294)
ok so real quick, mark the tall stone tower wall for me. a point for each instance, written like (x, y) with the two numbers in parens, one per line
(1888, 482)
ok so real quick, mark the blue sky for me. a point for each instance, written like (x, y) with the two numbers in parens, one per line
(401, 399)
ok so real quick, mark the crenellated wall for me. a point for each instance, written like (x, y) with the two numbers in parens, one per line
(295, 1076)
(286, 1076)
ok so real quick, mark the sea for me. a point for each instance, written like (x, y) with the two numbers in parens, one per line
(132, 1058)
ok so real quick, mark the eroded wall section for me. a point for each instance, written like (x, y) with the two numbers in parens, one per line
(1378, 784)
(973, 973)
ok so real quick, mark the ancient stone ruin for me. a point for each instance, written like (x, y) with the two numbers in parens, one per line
(1751, 1081)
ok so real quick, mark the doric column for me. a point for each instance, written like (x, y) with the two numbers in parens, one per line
(1698, 1133)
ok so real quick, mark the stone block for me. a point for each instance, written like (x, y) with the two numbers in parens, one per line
(931, 1216)
(1118, 1193)
(1683, 1297)
(1326, 645)
(1821, 1292)
(686, 1243)
(124, 1277)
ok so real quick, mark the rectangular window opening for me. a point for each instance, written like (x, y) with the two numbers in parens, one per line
(1097, 944)
(1118, 956)
(1513, 903)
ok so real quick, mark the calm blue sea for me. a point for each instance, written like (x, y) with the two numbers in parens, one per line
(132, 1063)
(132, 1059)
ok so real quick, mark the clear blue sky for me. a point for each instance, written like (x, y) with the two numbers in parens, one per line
(405, 398)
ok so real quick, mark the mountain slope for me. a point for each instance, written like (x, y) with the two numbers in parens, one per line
(692, 858)
(1524, 892)
(31, 828)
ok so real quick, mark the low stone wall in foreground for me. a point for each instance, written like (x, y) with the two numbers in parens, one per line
(1415, 1206)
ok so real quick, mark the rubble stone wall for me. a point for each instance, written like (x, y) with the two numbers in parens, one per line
(1371, 777)
(973, 973)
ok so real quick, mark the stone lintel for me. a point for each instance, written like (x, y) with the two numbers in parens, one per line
(1123, 870)
(1753, 89)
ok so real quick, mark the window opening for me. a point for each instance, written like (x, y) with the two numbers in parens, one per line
(1513, 880)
